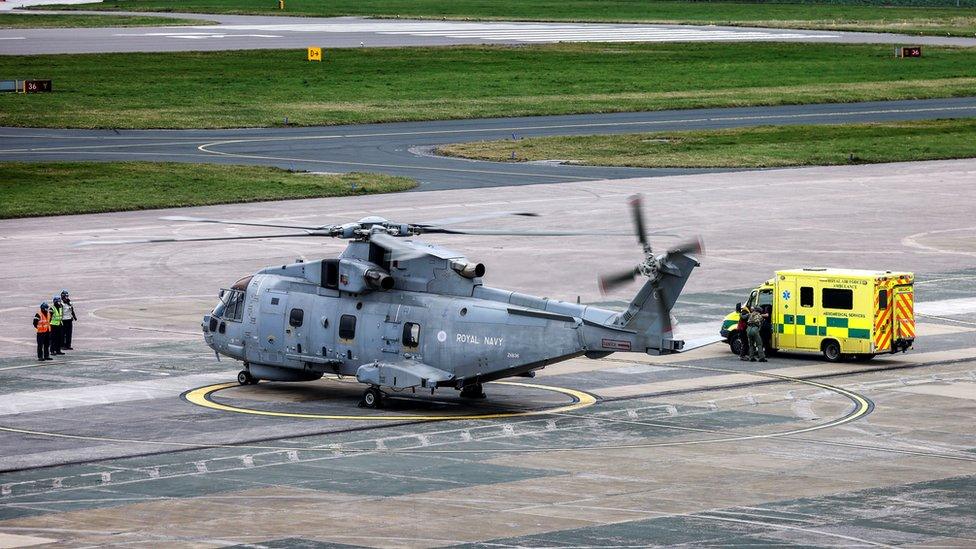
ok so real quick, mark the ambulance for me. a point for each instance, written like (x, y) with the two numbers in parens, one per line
(842, 313)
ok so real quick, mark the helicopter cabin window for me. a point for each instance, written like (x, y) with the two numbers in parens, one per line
(411, 335)
(296, 317)
(834, 298)
(347, 327)
(806, 296)
(882, 300)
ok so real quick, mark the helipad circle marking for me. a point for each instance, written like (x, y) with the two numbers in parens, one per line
(202, 397)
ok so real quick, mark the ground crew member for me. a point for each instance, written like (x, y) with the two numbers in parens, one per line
(766, 331)
(57, 334)
(42, 322)
(755, 323)
(740, 330)
(68, 319)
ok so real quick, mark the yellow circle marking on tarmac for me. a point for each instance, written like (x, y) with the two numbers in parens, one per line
(201, 397)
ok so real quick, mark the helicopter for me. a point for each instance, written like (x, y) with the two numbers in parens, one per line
(400, 314)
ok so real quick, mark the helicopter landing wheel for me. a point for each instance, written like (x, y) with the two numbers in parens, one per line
(372, 398)
(245, 378)
(475, 390)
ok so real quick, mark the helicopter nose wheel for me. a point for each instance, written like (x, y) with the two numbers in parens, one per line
(475, 390)
(245, 378)
(372, 398)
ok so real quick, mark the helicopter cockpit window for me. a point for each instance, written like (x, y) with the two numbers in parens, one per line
(231, 306)
(347, 327)
(296, 317)
(411, 335)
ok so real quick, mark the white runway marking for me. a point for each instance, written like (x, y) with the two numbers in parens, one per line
(530, 32)
(201, 35)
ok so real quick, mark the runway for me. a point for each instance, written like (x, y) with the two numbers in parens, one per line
(242, 32)
(406, 148)
(137, 437)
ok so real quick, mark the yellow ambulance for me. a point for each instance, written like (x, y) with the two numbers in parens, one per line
(842, 313)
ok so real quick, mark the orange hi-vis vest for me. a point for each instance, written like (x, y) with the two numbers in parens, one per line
(44, 324)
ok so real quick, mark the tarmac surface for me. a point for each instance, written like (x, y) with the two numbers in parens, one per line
(248, 32)
(110, 445)
(406, 148)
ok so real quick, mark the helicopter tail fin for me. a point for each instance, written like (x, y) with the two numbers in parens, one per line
(649, 313)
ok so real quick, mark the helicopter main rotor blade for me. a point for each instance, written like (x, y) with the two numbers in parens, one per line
(524, 232)
(476, 217)
(246, 223)
(157, 240)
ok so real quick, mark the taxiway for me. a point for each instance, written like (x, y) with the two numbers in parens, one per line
(136, 438)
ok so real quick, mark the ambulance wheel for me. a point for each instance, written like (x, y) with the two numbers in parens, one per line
(245, 378)
(372, 398)
(831, 351)
(735, 345)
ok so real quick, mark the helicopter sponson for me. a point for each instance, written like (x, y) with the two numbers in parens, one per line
(401, 314)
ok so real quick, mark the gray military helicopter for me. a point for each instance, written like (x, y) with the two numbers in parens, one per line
(400, 314)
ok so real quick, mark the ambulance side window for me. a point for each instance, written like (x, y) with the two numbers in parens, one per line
(766, 297)
(806, 296)
(834, 298)
(752, 299)
(882, 300)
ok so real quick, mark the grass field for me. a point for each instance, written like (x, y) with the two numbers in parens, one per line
(955, 21)
(767, 146)
(41, 21)
(261, 88)
(61, 188)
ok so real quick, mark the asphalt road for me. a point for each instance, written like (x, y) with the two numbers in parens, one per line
(405, 148)
(242, 32)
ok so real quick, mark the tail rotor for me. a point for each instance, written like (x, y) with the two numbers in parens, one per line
(651, 266)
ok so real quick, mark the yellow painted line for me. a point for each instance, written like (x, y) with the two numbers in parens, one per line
(202, 397)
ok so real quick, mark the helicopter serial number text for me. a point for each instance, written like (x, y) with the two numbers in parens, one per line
(479, 340)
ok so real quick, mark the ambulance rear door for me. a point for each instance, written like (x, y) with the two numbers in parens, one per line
(904, 311)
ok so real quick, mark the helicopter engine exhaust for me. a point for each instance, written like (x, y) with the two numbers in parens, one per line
(378, 280)
(468, 270)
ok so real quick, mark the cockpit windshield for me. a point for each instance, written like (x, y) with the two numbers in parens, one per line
(231, 306)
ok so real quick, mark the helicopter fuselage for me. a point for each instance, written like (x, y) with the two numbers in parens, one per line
(427, 322)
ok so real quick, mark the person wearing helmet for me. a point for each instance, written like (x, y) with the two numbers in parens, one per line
(67, 320)
(42, 323)
(57, 334)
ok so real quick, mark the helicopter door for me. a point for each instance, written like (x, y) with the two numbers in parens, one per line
(298, 320)
(392, 327)
(271, 326)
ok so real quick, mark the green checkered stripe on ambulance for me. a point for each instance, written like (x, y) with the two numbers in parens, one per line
(835, 327)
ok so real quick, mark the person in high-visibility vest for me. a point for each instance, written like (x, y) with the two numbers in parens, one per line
(42, 322)
(57, 332)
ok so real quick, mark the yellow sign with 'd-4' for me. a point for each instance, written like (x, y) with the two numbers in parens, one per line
(314, 54)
